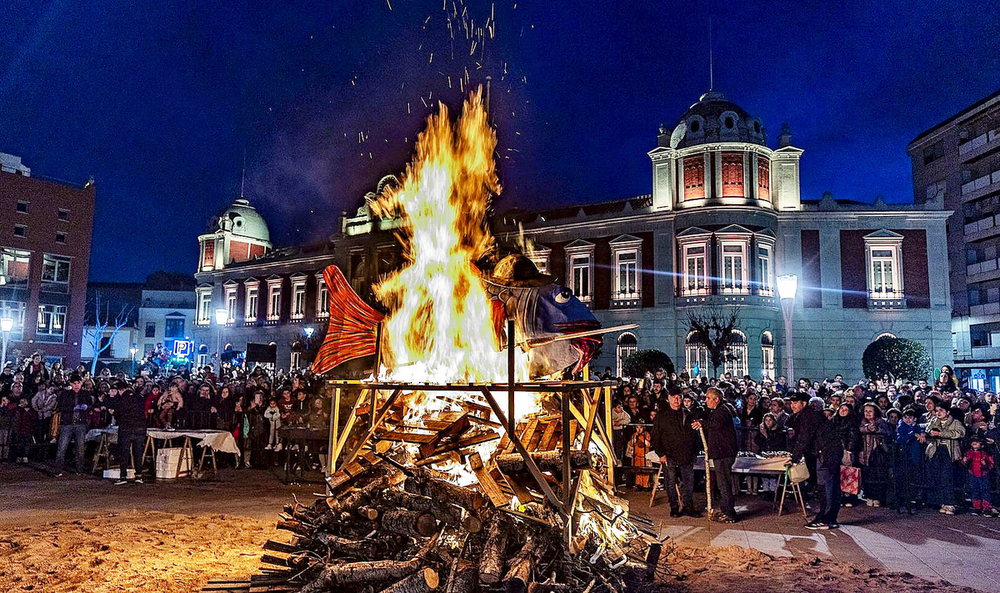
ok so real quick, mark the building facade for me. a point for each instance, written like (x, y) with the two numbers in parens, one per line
(724, 220)
(957, 163)
(277, 297)
(166, 313)
(45, 240)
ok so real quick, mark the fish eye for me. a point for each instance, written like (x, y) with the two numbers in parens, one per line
(562, 297)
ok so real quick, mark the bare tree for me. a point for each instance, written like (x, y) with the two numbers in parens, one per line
(102, 323)
(714, 329)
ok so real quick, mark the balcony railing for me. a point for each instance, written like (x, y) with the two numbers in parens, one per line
(970, 147)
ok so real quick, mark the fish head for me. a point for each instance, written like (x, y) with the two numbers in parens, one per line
(552, 312)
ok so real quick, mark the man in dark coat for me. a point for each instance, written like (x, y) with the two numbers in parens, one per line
(74, 413)
(674, 443)
(130, 412)
(720, 433)
(815, 436)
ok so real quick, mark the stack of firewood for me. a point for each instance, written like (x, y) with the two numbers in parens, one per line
(393, 523)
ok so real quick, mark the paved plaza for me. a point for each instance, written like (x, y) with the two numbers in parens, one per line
(961, 549)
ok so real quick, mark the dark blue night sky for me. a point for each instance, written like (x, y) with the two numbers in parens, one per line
(159, 104)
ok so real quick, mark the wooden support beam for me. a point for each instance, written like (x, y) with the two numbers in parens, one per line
(374, 425)
(535, 472)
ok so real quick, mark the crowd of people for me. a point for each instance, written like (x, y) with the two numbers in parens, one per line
(881, 442)
(46, 409)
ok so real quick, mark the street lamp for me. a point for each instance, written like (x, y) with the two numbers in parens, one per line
(309, 330)
(221, 316)
(132, 351)
(6, 324)
(787, 286)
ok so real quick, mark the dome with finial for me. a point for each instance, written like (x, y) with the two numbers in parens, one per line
(716, 119)
(243, 220)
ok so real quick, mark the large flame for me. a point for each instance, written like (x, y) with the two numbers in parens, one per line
(439, 328)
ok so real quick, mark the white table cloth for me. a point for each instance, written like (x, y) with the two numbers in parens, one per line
(217, 440)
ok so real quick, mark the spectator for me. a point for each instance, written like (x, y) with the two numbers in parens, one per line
(907, 460)
(74, 405)
(979, 464)
(44, 403)
(720, 434)
(636, 450)
(872, 456)
(674, 443)
(24, 426)
(942, 437)
(169, 404)
(273, 417)
(130, 412)
(815, 436)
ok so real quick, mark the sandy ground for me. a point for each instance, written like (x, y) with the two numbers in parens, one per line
(82, 534)
(734, 569)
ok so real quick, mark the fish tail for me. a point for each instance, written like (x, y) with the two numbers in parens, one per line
(351, 332)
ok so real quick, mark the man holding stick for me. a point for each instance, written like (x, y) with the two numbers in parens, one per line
(720, 437)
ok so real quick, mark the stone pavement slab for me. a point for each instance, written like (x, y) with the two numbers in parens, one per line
(959, 549)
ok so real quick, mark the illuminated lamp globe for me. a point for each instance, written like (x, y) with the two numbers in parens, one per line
(787, 286)
(221, 315)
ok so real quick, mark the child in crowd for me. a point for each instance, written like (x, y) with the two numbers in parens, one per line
(273, 416)
(979, 463)
(907, 460)
(637, 449)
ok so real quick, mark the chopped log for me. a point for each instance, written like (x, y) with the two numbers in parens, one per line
(545, 460)
(356, 499)
(440, 490)
(361, 572)
(364, 548)
(367, 512)
(464, 578)
(441, 510)
(273, 546)
(294, 527)
(491, 562)
(548, 588)
(422, 581)
(361, 465)
(519, 574)
(472, 524)
(415, 524)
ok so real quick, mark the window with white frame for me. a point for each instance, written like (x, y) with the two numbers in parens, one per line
(767, 354)
(627, 346)
(274, 299)
(736, 354)
(55, 273)
(734, 267)
(298, 297)
(322, 297)
(296, 360)
(51, 323)
(626, 255)
(231, 303)
(14, 310)
(694, 279)
(204, 306)
(14, 265)
(695, 356)
(580, 261)
(253, 300)
(765, 269)
(884, 251)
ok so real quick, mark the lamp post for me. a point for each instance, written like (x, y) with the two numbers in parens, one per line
(221, 316)
(132, 351)
(787, 286)
(6, 324)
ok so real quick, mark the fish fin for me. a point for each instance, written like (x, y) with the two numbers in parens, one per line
(498, 315)
(351, 332)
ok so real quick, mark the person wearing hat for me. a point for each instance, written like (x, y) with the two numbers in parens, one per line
(815, 437)
(74, 412)
(720, 435)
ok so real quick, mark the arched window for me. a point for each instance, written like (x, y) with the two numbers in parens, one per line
(767, 354)
(736, 359)
(627, 345)
(695, 355)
